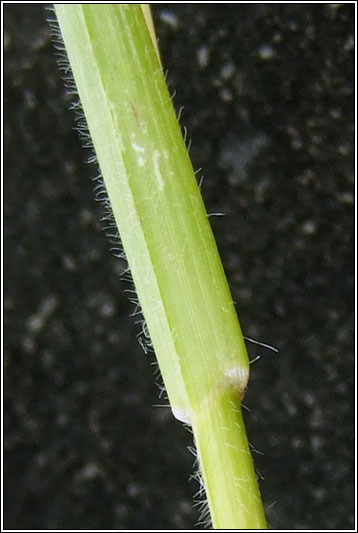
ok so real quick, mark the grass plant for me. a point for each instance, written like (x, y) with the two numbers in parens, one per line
(169, 244)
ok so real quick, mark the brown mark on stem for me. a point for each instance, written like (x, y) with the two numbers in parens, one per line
(135, 113)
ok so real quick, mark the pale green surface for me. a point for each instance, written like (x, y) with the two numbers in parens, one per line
(168, 241)
(227, 468)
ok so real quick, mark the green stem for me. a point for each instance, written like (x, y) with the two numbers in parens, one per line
(169, 244)
(227, 467)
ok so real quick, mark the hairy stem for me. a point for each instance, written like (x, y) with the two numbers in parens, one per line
(168, 242)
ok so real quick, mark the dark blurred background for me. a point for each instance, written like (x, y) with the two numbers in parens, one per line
(268, 96)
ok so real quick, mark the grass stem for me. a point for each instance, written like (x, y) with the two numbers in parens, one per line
(169, 244)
